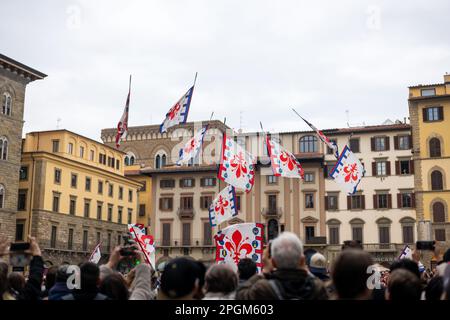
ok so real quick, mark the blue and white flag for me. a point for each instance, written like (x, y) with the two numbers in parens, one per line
(179, 112)
(223, 207)
(192, 147)
(348, 171)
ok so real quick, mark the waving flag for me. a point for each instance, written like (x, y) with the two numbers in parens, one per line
(238, 241)
(179, 112)
(282, 161)
(192, 147)
(223, 207)
(348, 171)
(122, 126)
(237, 165)
(145, 242)
(96, 255)
(406, 253)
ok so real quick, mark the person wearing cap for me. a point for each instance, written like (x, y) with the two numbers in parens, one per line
(60, 288)
(318, 266)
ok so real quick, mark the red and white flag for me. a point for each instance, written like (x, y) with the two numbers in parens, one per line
(96, 255)
(348, 171)
(122, 126)
(192, 147)
(283, 162)
(145, 242)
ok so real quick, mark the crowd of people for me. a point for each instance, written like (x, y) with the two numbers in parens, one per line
(287, 274)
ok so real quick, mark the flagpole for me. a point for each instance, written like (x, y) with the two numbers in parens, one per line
(195, 79)
(129, 85)
(212, 114)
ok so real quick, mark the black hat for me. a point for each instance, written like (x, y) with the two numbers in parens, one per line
(180, 277)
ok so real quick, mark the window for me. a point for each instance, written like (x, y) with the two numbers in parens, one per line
(208, 182)
(187, 183)
(85, 240)
(120, 193)
(238, 202)
(163, 160)
(91, 155)
(70, 239)
(72, 206)
(53, 236)
(130, 215)
(355, 202)
(428, 92)
(119, 214)
(404, 167)
(354, 145)
(73, 180)
(167, 183)
(439, 235)
(87, 208)
(166, 234)
(117, 164)
(384, 234)
(329, 150)
(55, 205)
(130, 159)
(130, 195)
(379, 143)
(166, 204)
(99, 210)
(20, 230)
(186, 234)
(438, 212)
(309, 232)
(55, 146)
(2, 196)
(108, 243)
(205, 202)
(272, 203)
(357, 233)
(23, 173)
(328, 168)
(436, 180)
(271, 179)
(435, 147)
(207, 235)
(186, 203)
(144, 186)
(142, 210)
(22, 200)
(309, 200)
(110, 212)
(433, 114)
(81, 152)
(3, 148)
(333, 234)
(309, 177)
(158, 162)
(102, 158)
(98, 237)
(6, 104)
(110, 190)
(57, 176)
(88, 184)
(308, 144)
(382, 201)
(70, 148)
(405, 200)
(408, 234)
(382, 168)
(100, 187)
(331, 202)
(402, 142)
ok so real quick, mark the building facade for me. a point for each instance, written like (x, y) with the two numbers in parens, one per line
(14, 77)
(429, 108)
(73, 195)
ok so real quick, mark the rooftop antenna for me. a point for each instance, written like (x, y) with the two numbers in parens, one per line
(58, 121)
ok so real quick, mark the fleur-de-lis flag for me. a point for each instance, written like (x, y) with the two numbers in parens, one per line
(348, 171)
(223, 207)
(282, 161)
(192, 147)
(179, 112)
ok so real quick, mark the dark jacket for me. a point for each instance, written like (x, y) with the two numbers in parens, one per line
(58, 291)
(295, 284)
(32, 290)
(84, 296)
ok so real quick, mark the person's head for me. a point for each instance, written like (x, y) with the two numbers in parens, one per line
(350, 273)
(318, 265)
(61, 273)
(403, 285)
(220, 278)
(50, 277)
(267, 258)
(287, 252)
(16, 282)
(434, 289)
(90, 277)
(446, 257)
(182, 279)
(246, 268)
(114, 287)
(406, 264)
(352, 244)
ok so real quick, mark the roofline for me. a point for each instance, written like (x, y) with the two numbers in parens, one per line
(77, 134)
(435, 97)
(16, 64)
(426, 85)
(183, 169)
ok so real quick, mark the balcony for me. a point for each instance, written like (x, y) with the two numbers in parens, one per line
(180, 243)
(272, 212)
(66, 247)
(186, 213)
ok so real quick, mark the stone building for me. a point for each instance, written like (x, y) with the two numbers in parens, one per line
(14, 77)
(73, 195)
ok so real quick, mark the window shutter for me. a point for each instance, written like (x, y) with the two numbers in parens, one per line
(411, 166)
(326, 202)
(349, 202)
(409, 141)
(160, 203)
(386, 142)
(193, 182)
(413, 200)
(388, 168)
(325, 171)
(424, 113)
(396, 142)
(372, 144)
(374, 169)
(375, 201)
(441, 113)
(389, 201)
(399, 200)
(202, 182)
(363, 202)
(397, 167)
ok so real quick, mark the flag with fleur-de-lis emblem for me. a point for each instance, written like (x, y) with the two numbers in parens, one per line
(283, 162)
(223, 207)
(237, 166)
(192, 147)
(144, 241)
(179, 112)
(348, 171)
(238, 241)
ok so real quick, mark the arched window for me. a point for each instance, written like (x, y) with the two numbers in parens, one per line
(3, 148)
(333, 231)
(163, 160)
(384, 231)
(438, 212)
(158, 162)
(6, 104)
(2, 196)
(435, 147)
(436, 180)
(130, 158)
(308, 144)
(407, 225)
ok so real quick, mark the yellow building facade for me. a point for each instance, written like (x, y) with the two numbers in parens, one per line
(73, 194)
(429, 107)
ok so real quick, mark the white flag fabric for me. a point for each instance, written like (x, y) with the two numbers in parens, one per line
(145, 242)
(283, 162)
(192, 147)
(96, 255)
(236, 165)
(179, 112)
(223, 207)
(348, 171)
(238, 241)
(406, 253)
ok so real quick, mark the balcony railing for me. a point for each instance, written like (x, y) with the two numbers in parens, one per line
(178, 243)
(272, 212)
(373, 247)
(185, 213)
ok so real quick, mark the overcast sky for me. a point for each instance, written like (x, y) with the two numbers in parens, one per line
(255, 59)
